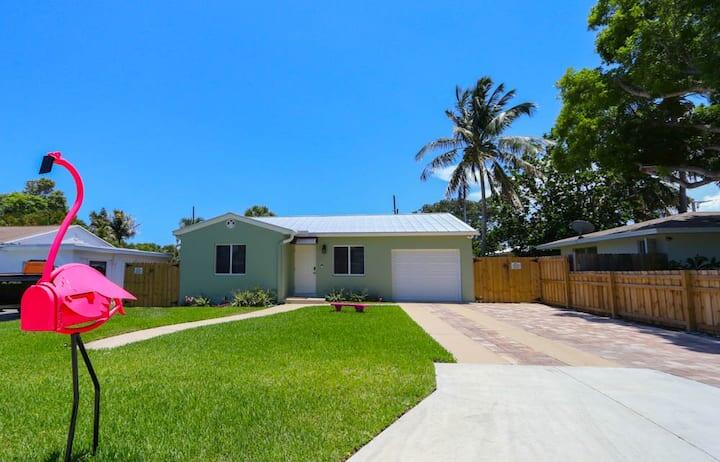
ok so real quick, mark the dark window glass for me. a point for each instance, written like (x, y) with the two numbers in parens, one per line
(340, 257)
(357, 260)
(222, 259)
(238, 259)
(100, 266)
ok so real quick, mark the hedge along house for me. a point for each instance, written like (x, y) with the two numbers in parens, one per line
(421, 257)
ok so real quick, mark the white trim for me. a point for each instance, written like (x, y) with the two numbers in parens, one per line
(349, 273)
(230, 273)
(234, 216)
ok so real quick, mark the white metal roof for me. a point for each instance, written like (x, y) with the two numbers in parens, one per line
(416, 223)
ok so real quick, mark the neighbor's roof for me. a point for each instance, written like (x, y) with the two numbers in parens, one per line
(353, 225)
(12, 233)
(690, 222)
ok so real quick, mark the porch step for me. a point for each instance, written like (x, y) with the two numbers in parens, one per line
(306, 300)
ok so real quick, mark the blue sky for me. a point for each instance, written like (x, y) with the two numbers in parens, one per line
(308, 107)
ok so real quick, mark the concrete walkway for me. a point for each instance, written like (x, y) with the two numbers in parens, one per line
(140, 335)
(522, 413)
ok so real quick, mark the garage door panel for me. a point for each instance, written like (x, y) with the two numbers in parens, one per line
(426, 275)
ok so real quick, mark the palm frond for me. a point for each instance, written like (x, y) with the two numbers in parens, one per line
(438, 144)
(443, 160)
(505, 118)
(503, 185)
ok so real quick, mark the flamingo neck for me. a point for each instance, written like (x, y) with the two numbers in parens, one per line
(67, 221)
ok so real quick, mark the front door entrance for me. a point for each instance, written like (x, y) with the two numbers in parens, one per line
(305, 261)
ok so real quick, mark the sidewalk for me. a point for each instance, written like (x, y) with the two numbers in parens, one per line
(140, 335)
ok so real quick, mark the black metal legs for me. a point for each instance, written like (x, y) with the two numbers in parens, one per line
(75, 344)
(76, 396)
(96, 386)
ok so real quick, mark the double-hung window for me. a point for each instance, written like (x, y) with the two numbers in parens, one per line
(230, 259)
(349, 260)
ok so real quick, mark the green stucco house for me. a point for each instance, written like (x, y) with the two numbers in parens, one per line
(420, 257)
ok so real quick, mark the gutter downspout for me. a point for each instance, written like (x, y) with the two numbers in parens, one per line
(281, 271)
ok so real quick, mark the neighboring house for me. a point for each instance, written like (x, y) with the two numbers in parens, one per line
(397, 257)
(19, 244)
(680, 237)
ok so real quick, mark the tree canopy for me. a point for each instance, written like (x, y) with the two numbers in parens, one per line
(187, 221)
(38, 204)
(259, 211)
(115, 228)
(653, 104)
(551, 199)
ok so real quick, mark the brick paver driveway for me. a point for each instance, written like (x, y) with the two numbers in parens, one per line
(692, 356)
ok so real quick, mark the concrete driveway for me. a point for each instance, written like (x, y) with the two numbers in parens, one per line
(539, 383)
(549, 413)
(537, 334)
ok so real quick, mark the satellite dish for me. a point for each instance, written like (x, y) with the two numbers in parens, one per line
(582, 227)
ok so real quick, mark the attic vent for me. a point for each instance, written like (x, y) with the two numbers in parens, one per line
(230, 224)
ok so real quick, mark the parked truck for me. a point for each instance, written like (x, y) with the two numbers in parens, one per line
(12, 285)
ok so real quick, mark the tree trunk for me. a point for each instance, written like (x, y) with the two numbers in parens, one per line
(463, 197)
(683, 202)
(483, 230)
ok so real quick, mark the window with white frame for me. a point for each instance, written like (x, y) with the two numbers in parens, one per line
(230, 259)
(349, 260)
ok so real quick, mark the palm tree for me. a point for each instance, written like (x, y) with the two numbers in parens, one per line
(259, 211)
(478, 150)
(187, 221)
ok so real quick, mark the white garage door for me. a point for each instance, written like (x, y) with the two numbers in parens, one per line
(426, 275)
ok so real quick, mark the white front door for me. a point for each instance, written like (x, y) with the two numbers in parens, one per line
(305, 261)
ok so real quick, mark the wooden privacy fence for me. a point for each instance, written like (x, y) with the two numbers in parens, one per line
(507, 279)
(678, 299)
(154, 284)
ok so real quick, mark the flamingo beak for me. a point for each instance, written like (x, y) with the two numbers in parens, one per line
(47, 164)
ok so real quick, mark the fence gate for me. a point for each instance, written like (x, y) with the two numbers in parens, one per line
(154, 284)
(507, 279)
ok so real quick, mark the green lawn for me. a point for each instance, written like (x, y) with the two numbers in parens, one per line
(304, 385)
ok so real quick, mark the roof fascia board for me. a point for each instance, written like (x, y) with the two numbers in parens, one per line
(385, 234)
(234, 216)
(88, 248)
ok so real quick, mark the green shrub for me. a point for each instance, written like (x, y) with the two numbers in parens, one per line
(343, 295)
(196, 300)
(359, 296)
(254, 297)
(336, 295)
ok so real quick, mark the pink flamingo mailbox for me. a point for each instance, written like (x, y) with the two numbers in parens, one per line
(71, 299)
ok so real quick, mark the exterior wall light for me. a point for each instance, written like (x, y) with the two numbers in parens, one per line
(323, 249)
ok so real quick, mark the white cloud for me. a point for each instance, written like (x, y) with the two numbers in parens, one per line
(710, 203)
(445, 173)
(475, 195)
